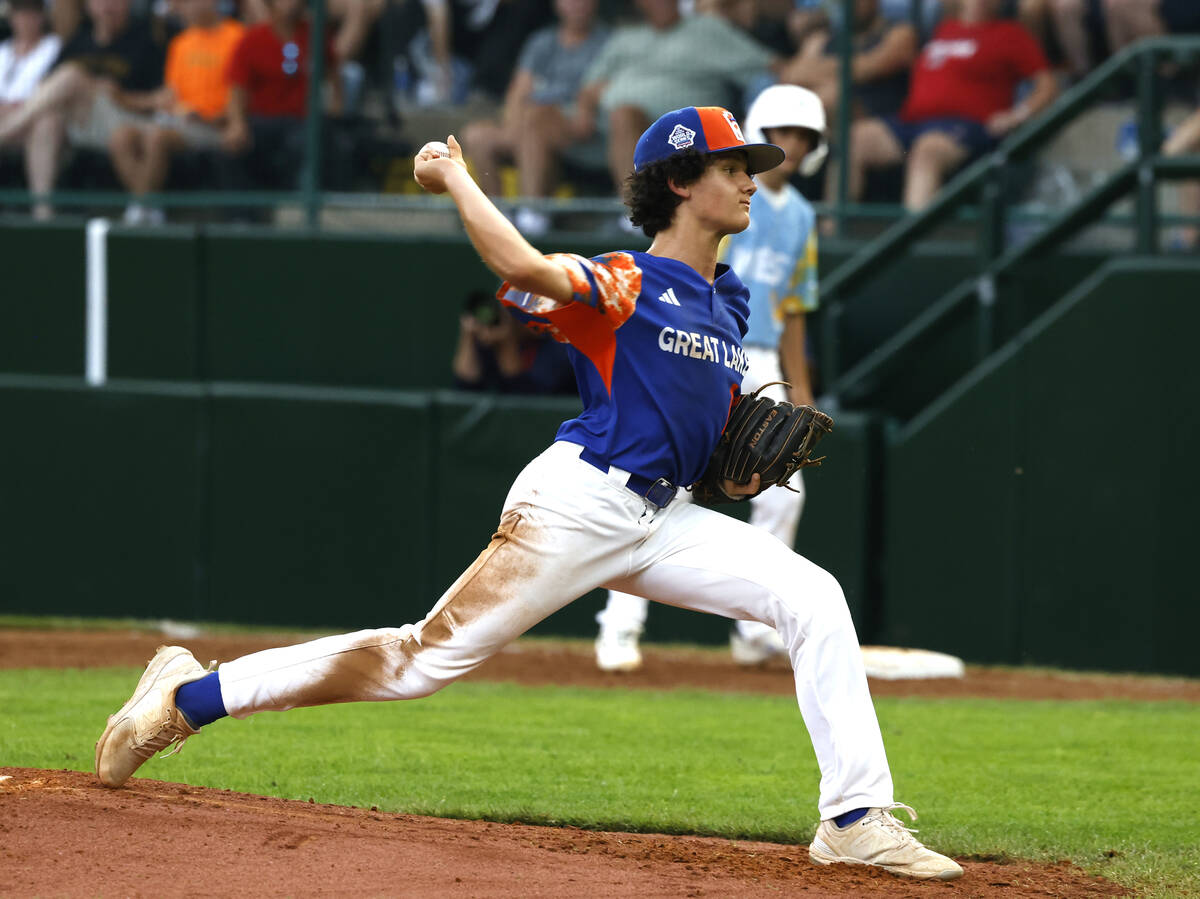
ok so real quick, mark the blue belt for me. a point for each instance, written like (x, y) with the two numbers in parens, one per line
(658, 493)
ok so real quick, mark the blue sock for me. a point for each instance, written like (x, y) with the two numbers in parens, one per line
(845, 820)
(200, 701)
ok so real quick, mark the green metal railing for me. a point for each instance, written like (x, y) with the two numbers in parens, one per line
(982, 185)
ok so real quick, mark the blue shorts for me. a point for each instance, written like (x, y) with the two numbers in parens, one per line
(965, 132)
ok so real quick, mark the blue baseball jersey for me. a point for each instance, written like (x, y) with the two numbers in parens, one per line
(657, 353)
(776, 257)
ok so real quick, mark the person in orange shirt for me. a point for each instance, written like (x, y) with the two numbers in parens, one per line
(191, 106)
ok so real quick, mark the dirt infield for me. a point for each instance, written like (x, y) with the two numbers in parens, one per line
(62, 834)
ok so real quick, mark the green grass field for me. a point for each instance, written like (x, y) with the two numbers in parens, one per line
(1110, 785)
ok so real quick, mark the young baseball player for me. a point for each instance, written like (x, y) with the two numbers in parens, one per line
(776, 258)
(656, 341)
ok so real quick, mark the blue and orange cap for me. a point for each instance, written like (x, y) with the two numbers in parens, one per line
(705, 129)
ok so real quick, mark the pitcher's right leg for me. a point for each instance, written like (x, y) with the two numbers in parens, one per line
(518, 580)
(565, 530)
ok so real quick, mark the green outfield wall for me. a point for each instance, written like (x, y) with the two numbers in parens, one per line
(255, 305)
(1037, 511)
(1043, 511)
(303, 506)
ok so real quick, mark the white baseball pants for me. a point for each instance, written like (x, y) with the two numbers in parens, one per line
(776, 511)
(566, 528)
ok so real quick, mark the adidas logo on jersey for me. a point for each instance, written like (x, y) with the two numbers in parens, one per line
(669, 297)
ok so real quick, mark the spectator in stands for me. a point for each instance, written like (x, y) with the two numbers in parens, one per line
(884, 52)
(960, 102)
(1131, 20)
(350, 23)
(1073, 27)
(106, 76)
(665, 63)
(191, 106)
(1185, 139)
(268, 100)
(534, 126)
(1034, 15)
(808, 16)
(27, 56)
(764, 20)
(65, 17)
(483, 37)
(495, 353)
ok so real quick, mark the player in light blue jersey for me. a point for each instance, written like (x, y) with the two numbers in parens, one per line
(776, 258)
(656, 343)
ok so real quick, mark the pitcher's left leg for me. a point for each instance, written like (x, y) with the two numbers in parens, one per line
(777, 511)
(703, 560)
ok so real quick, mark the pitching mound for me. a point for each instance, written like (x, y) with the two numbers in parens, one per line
(65, 835)
(62, 834)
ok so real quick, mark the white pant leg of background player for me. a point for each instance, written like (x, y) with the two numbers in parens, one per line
(623, 612)
(776, 510)
(703, 560)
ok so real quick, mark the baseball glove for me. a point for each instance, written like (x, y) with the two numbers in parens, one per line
(773, 439)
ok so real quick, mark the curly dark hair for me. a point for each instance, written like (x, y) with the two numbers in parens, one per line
(648, 193)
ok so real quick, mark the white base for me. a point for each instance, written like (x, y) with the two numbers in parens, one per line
(894, 663)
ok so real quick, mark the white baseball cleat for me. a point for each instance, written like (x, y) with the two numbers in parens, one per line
(617, 650)
(150, 721)
(879, 839)
(756, 650)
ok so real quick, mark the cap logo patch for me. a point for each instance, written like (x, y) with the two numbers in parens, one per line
(681, 137)
(733, 125)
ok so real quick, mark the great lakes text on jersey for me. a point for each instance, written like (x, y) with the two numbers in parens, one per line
(703, 347)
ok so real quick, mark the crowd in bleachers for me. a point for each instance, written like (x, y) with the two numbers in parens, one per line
(141, 86)
(154, 85)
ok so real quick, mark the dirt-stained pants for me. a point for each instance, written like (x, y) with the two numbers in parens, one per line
(566, 528)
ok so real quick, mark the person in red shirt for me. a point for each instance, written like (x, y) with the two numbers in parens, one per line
(960, 102)
(268, 100)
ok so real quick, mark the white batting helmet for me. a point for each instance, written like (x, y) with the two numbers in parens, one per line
(783, 105)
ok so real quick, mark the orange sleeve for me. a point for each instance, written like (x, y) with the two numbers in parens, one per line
(609, 285)
(604, 296)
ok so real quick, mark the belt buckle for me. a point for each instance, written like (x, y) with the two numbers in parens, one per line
(661, 493)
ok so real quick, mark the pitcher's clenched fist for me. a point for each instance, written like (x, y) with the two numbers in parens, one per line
(435, 162)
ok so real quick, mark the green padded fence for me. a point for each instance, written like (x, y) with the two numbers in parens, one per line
(155, 292)
(318, 506)
(1043, 510)
(311, 506)
(249, 305)
(42, 299)
(102, 498)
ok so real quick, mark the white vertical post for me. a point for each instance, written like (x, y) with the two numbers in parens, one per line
(96, 334)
